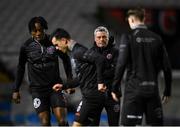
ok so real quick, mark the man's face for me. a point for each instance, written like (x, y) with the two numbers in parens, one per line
(38, 32)
(131, 21)
(101, 39)
(61, 44)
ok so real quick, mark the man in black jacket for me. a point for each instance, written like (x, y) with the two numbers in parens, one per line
(89, 68)
(105, 46)
(43, 72)
(144, 55)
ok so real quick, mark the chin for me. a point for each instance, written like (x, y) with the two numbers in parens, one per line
(100, 46)
(38, 39)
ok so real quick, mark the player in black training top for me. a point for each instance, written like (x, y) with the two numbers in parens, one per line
(41, 58)
(89, 66)
(143, 54)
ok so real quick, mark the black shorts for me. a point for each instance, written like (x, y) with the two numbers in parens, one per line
(89, 111)
(134, 107)
(45, 101)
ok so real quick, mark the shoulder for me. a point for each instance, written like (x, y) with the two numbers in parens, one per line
(93, 48)
(78, 46)
(155, 36)
(78, 49)
(27, 42)
(125, 38)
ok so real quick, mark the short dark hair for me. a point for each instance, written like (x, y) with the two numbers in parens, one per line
(39, 19)
(60, 33)
(137, 12)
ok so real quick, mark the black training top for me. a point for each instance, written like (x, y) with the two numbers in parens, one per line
(42, 64)
(144, 55)
(89, 67)
(110, 53)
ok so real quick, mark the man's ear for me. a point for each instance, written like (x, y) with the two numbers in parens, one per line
(131, 20)
(64, 40)
(68, 40)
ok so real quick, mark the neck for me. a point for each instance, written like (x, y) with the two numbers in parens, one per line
(71, 44)
(39, 40)
(139, 24)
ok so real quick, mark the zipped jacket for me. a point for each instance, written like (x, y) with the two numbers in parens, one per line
(144, 55)
(42, 65)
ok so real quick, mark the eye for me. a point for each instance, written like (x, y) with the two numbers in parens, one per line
(34, 30)
(98, 37)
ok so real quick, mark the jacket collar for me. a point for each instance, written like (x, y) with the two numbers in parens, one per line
(141, 26)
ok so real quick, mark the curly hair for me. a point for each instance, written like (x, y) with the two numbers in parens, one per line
(39, 19)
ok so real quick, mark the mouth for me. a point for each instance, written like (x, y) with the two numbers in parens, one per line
(101, 44)
(38, 36)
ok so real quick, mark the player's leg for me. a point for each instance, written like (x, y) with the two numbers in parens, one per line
(154, 113)
(61, 114)
(44, 118)
(113, 111)
(132, 111)
(42, 107)
(76, 124)
(81, 114)
(88, 112)
(59, 107)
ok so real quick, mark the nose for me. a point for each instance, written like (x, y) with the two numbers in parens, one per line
(38, 33)
(101, 39)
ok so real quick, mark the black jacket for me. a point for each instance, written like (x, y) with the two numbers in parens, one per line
(89, 68)
(42, 64)
(110, 53)
(144, 55)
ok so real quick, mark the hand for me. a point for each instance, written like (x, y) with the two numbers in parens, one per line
(102, 87)
(57, 87)
(16, 97)
(165, 99)
(70, 90)
(114, 96)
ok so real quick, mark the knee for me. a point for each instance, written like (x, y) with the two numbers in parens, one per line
(45, 119)
(76, 124)
(63, 122)
(45, 122)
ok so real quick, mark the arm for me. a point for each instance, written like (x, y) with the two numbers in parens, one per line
(89, 56)
(72, 83)
(68, 86)
(68, 70)
(99, 61)
(66, 63)
(20, 70)
(167, 75)
(121, 63)
(19, 75)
